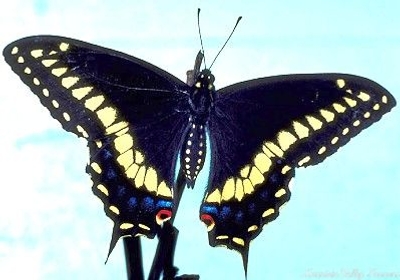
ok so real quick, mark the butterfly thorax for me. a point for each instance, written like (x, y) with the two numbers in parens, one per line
(201, 96)
(193, 151)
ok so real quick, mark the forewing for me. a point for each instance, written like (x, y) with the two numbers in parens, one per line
(131, 112)
(261, 130)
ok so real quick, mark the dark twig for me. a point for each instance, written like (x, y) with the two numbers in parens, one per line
(163, 260)
(133, 258)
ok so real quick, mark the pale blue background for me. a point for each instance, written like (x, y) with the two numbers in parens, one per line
(344, 215)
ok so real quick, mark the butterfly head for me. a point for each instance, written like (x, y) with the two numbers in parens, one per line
(205, 80)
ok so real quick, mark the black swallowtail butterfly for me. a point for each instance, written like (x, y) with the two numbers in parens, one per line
(141, 121)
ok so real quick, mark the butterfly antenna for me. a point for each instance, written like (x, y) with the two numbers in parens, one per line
(201, 40)
(237, 22)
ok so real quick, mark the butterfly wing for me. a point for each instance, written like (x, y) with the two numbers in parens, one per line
(261, 130)
(131, 112)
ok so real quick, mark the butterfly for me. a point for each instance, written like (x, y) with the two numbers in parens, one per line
(140, 122)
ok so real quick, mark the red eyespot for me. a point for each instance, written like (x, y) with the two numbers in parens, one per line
(163, 215)
(208, 221)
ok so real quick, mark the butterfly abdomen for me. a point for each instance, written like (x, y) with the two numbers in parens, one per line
(193, 151)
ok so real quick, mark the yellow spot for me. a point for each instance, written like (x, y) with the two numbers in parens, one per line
(80, 93)
(123, 143)
(163, 190)
(341, 83)
(285, 169)
(238, 241)
(322, 150)
(255, 176)
(82, 131)
(103, 189)
(376, 107)
(252, 228)
(339, 108)
(114, 209)
(68, 82)
(327, 115)
(198, 85)
(116, 127)
(304, 160)
(239, 192)
(301, 130)
(214, 197)
(280, 193)
(66, 116)
(367, 115)
(139, 179)
(132, 170)
(351, 102)
(36, 81)
(125, 226)
(244, 172)
(334, 140)
(384, 99)
(228, 191)
(314, 122)
(14, 50)
(143, 226)
(262, 162)
(45, 92)
(349, 91)
(274, 148)
(247, 186)
(363, 96)
(52, 52)
(49, 62)
(107, 116)
(55, 104)
(222, 237)
(27, 70)
(268, 212)
(96, 167)
(21, 60)
(58, 72)
(37, 53)
(94, 102)
(64, 47)
(98, 143)
(286, 139)
(139, 158)
(356, 123)
(150, 180)
(267, 152)
(126, 159)
(345, 131)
